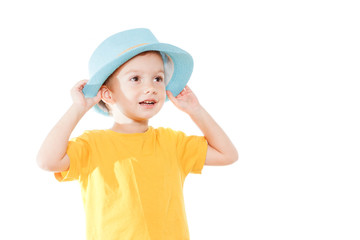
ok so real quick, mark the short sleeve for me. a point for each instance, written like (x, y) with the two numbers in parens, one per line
(191, 152)
(78, 152)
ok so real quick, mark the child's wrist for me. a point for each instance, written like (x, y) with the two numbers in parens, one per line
(78, 109)
(196, 112)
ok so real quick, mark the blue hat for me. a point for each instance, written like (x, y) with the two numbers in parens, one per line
(120, 47)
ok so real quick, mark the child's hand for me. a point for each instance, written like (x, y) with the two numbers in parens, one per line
(79, 99)
(185, 101)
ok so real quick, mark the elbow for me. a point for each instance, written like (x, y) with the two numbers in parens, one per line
(236, 156)
(51, 164)
(41, 162)
(44, 163)
(232, 158)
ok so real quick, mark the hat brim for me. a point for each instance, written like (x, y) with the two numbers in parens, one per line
(183, 67)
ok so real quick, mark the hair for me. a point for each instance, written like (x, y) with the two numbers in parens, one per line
(102, 105)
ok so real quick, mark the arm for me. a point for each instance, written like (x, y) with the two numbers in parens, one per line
(52, 154)
(220, 151)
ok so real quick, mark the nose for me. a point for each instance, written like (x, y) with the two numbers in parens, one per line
(150, 89)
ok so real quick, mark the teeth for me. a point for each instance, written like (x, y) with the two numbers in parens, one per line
(148, 102)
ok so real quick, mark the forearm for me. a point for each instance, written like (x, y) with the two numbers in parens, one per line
(221, 151)
(214, 134)
(55, 144)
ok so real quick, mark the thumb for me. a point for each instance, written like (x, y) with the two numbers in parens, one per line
(171, 97)
(96, 99)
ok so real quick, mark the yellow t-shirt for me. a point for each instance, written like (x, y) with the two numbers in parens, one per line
(132, 184)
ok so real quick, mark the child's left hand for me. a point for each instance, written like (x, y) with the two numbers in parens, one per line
(186, 100)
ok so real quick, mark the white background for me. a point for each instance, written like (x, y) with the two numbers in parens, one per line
(281, 78)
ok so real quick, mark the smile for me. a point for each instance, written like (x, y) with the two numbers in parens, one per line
(148, 102)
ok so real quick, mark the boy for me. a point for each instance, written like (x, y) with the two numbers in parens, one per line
(132, 175)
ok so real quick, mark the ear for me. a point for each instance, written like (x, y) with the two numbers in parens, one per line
(106, 95)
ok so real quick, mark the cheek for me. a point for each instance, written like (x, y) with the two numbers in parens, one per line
(126, 93)
(161, 90)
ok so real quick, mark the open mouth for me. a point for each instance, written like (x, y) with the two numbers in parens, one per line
(147, 102)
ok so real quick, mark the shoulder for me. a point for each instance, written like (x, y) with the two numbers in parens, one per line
(92, 133)
(91, 136)
(168, 132)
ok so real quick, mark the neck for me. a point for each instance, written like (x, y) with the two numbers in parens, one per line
(134, 127)
(126, 124)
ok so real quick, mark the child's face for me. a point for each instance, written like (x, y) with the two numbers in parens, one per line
(138, 87)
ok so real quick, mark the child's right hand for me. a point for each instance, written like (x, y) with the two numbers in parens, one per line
(79, 99)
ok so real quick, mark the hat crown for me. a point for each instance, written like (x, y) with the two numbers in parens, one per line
(115, 45)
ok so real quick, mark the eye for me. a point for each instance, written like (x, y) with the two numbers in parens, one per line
(159, 79)
(134, 79)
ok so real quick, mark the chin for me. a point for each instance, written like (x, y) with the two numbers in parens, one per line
(145, 114)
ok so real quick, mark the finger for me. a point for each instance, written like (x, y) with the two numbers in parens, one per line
(182, 93)
(82, 82)
(171, 96)
(185, 91)
(188, 89)
(97, 98)
(80, 85)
